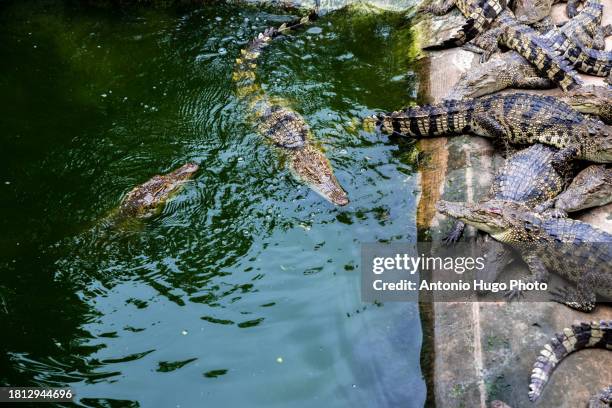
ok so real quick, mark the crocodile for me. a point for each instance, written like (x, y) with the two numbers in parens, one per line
(146, 200)
(517, 118)
(533, 46)
(571, 339)
(510, 69)
(577, 44)
(527, 176)
(283, 126)
(479, 13)
(573, 249)
(532, 11)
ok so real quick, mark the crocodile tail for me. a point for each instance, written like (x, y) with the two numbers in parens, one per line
(478, 21)
(447, 118)
(590, 60)
(578, 337)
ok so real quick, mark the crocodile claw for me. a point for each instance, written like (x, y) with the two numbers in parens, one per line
(514, 294)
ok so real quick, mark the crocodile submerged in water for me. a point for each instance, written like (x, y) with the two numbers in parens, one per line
(517, 118)
(147, 200)
(573, 249)
(283, 126)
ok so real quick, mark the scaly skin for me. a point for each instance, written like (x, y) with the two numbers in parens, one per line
(532, 11)
(283, 126)
(527, 176)
(592, 99)
(512, 118)
(573, 249)
(479, 14)
(592, 187)
(575, 338)
(147, 199)
(537, 50)
(575, 41)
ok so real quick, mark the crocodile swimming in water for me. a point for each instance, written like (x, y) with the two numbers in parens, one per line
(147, 200)
(517, 118)
(284, 127)
(573, 249)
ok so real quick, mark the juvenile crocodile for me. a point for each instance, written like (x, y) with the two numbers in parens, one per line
(578, 43)
(517, 118)
(510, 69)
(591, 99)
(147, 199)
(537, 49)
(575, 338)
(592, 187)
(573, 249)
(479, 13)
(532, 11)
(283, 126)
(527, 176)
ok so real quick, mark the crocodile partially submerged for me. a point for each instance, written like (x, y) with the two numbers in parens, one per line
(528, 177)
(518, 118)
(573, 249)
(284, 127)
(147, 199)
(574, 338)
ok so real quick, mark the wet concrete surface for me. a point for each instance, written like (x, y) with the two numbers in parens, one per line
(485, 351)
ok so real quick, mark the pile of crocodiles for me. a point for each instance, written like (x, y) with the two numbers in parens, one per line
(532, 194)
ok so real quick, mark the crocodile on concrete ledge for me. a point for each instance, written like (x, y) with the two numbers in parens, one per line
(283, 126)
(517, 118)
(577, 337)
(480, 14)
(534, 47)
(592, 187)
(575, 250)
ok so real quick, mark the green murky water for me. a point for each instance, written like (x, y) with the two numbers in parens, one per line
(245, 290)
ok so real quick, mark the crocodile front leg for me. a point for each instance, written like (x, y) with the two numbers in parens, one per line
(539, 273)
(454, 234)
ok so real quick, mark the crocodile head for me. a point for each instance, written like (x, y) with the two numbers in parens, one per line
(487, 216)
(598, 144)
(591, 99)
(147, 199)
(592, 187)
(310, 166)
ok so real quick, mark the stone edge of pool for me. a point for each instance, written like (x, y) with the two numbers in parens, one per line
(485, 351)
